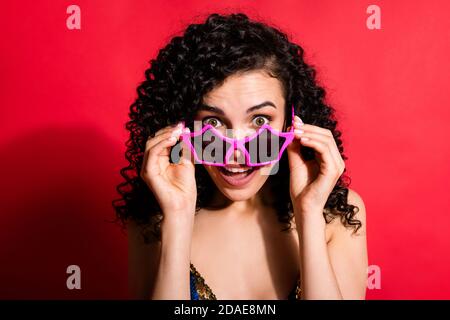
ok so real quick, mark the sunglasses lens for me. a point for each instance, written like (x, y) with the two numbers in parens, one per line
(210, 147)
(265, 147)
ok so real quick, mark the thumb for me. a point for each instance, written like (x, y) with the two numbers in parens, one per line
(187, 157)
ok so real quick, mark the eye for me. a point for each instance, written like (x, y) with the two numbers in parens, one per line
(212, 121)
(261, 120)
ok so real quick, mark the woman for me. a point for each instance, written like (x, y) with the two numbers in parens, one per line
(290, 229)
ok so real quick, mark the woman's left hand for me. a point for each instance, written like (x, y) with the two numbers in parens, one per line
(311, 182)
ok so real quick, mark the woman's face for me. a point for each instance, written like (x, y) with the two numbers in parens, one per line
(243, 103)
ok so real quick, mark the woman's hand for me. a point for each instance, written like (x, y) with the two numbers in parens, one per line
(172, 184)
(311, 182)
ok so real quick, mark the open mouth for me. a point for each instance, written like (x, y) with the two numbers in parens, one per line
(237, 176)
(236, 171)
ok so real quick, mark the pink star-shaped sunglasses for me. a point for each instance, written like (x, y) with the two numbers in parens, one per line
(266, 146)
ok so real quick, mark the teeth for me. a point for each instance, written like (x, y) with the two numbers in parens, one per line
(236, 170)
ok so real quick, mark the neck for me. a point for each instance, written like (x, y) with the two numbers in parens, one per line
(251, 207)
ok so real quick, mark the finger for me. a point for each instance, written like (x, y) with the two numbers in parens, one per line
(327, 163)
(326, 139)
(161, 149)
(168, 128)
(181, 149)
(312, 128)
(322, 149)
(151, 156)
(186, 157)
(174, 131)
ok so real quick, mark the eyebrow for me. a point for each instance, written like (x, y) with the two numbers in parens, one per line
(217, 110)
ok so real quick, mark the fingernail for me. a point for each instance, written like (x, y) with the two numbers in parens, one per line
(304, 138)
(176, 133)
(298, 131)
(298, 120)
(180, 124)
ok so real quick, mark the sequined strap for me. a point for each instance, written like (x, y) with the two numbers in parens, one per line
(204, 291)
(298, 291)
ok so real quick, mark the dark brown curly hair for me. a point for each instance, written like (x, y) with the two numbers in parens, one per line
(189, 67)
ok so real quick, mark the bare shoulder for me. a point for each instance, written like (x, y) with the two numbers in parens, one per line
(143, 260)
(337, 228)
(355, 199)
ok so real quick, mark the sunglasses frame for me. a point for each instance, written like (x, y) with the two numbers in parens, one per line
(239, 143)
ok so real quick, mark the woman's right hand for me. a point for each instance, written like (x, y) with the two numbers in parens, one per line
(172, 184)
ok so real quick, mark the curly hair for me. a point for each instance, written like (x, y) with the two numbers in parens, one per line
(188, 68)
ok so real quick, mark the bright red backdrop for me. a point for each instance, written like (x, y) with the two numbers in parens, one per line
(65, 96)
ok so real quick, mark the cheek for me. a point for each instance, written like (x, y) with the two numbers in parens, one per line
(261, 177)
(268, 170)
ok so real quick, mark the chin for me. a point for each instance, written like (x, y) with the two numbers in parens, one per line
(238, 183)
(238, 195)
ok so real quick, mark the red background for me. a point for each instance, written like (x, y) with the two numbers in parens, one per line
(64, 101)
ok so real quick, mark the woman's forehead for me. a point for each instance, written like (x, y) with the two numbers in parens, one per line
(240, 92)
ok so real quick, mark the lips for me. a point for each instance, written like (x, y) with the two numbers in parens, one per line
(237, 176)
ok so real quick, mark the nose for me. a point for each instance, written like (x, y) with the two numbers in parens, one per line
(238, 156)
(239, 133)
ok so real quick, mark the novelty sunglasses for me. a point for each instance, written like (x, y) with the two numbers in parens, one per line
(266, 146)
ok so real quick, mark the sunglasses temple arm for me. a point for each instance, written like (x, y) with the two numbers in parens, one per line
(292, 118)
